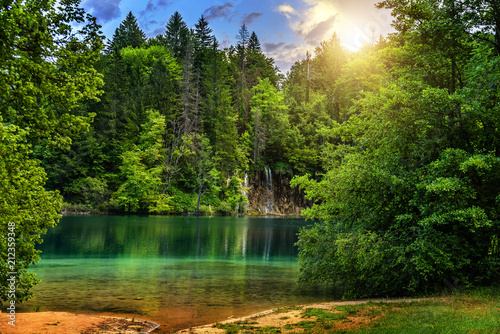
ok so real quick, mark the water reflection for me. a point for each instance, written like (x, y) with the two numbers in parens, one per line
(234, 238)
(179, 271)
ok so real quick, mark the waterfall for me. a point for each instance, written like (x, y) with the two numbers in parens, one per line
(243, 190)
(269, 190)
(245, 185)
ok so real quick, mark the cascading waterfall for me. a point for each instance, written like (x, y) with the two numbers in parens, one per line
(269, 190)
(245, 185)
(243, 189)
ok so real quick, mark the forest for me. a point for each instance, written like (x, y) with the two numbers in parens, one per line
(397, 145)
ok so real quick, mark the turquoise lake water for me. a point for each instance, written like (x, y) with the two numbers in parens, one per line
(179, 271)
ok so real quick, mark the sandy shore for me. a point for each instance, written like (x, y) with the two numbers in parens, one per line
(69, 323)
(290, 316)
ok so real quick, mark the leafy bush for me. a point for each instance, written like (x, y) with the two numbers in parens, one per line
(224, 208)
(183, 202)
(206, 210)
(161, 204)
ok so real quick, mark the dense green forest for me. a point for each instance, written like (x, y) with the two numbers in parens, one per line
(397, 144)
(178, 124)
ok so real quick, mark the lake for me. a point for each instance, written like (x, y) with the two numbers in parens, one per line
(180, 271)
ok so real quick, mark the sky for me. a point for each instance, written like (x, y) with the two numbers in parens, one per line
(286, 29)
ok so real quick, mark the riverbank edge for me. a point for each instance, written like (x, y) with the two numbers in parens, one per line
(288, 312)
(68, 212)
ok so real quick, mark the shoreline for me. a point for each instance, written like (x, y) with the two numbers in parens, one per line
(283, 316)
(65, 322)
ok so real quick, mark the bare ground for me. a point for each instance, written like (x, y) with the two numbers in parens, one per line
(69, 323)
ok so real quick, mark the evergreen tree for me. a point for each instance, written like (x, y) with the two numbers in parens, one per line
(127, 34)
(253, 42)
(176, 35)
(258, 66)
(189, 83)
(203, 32)
(204, 41)
(242, 38)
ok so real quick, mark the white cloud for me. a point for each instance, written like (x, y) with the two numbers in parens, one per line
(287, 10)
(312, 21)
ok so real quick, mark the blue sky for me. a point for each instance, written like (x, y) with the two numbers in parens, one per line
(286, 29)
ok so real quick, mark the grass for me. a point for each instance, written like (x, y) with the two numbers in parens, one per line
(473, 312)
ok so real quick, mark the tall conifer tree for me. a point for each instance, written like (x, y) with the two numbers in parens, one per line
(127, 34)
(176, 35)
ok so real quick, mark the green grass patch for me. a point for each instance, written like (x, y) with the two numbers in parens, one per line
(468, 313)
(234, 328)
(306, 324)
(322, 315)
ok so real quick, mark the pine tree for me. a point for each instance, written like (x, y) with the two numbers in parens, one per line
(127, 34)
(243, 38)
(204, 40)
(176, 35)
(242, 100)
(188, 83)
(203, 32)
(257, 65)
(253, 42)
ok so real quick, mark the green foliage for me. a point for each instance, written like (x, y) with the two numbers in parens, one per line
(47, 68)
(176, 35)
(27, 211)
(140, 185)
(306, 136)
(95, 192)
(46, 71)
(183, 202)
(224, 208)
(270, 119)
(408, 202)
(128, 34)
(162, 204)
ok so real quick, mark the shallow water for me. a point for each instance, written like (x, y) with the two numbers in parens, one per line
(177, 271)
